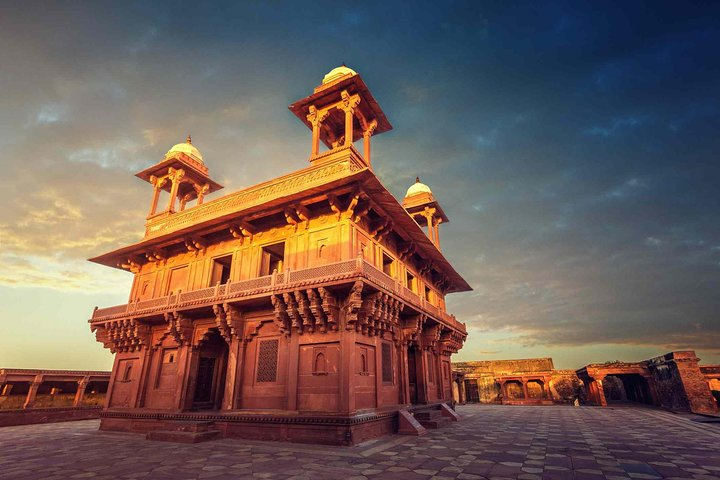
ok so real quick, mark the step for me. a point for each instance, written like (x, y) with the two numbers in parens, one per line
(428, 415)
(435, 423)
(183, 436)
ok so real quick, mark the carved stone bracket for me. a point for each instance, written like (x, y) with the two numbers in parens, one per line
(126, 335)
(451, 341)
(431, 336)
(242, 230)
(312, 309)
(281, 318)
(179, 327)
(195, 244)
(412, 328)
(354, 306)
(372, 313)
(228, 320)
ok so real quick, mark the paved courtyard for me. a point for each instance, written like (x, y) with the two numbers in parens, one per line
(491, 442)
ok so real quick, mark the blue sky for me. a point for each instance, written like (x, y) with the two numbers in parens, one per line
(573, 145)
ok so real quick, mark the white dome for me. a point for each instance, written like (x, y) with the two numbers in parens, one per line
(416, 188)
(338, 72)
(187, 148)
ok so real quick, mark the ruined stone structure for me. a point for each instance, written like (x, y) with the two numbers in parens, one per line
(532, 381)
(39, 396)
(712, 376)
(674, 381)
(307, 308)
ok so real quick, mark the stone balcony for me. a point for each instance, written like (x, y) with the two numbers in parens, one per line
(329, 274)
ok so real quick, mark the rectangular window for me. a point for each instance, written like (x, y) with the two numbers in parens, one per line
(267, 361)
(388, 265)
(428, 294)
(220, 270)
(272, 258)
(410, 281)
(387, 370)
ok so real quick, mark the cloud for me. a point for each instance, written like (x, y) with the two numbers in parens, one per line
(578, 169)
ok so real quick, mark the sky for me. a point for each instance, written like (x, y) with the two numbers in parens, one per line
(574, 147)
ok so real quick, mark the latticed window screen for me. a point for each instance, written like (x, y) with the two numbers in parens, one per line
(267, 361)
(387, 370)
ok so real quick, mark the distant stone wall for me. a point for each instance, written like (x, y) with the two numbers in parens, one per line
(563, 385)
(505, 367)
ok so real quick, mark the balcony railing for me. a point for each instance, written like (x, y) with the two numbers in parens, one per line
(287, 280)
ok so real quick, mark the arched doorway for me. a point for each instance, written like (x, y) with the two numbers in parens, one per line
(514, 390)
(210, 372)
(536, 389)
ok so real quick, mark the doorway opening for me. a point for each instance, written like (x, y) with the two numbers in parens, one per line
(210, 374)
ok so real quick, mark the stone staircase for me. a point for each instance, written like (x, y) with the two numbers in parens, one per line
(432, 419)
(185, 432)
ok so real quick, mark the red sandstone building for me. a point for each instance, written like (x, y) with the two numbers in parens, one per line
(309, 308)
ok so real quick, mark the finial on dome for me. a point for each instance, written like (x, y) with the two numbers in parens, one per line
(417, 187)
(188, 139)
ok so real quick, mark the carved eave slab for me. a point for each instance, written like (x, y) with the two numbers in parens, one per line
(417, 203)
(354, 85)
(193, 170)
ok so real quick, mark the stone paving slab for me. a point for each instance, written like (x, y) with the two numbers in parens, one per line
(490, 442)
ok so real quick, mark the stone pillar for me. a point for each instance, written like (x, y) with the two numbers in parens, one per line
(187, 373)
(293, 368)
(32, 393)
(525, 390)
(156, 183)
(145, 364)
(80, 393)
(231, 373)
(175, 177)
(348, 126)
(347, 371)
(600, 391)
(463, 393)
(348, 105)
(404, 374)
(201, 193)
(366, 140)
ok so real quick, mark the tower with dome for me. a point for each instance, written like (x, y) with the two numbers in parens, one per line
(308, 308)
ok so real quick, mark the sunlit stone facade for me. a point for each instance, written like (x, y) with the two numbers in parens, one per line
(309, 308)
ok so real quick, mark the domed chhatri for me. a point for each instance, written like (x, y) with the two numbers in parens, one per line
(422, 206)
(417, 188)
(187, 148)
(338, 72)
